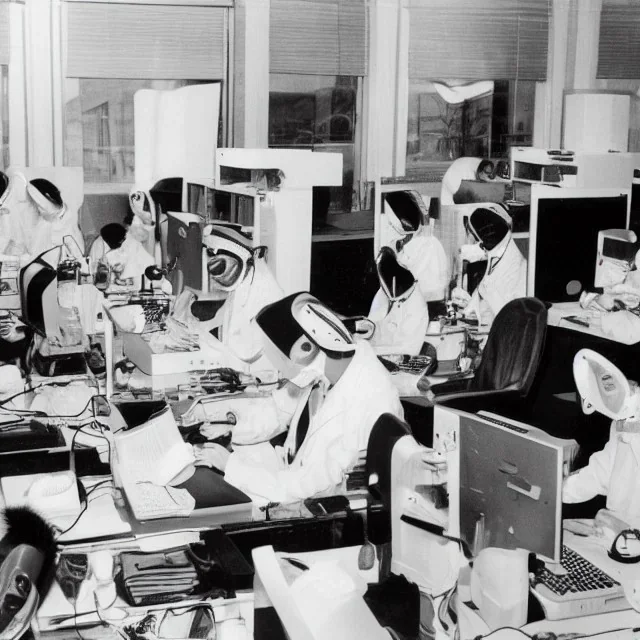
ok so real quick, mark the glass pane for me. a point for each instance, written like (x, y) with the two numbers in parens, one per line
(4, 116)
(99, 128)
(445, 124)
(317, 112)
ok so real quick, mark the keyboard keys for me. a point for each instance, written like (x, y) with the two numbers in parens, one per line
(581, 575)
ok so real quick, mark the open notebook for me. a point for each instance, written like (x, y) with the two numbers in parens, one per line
(148, 458)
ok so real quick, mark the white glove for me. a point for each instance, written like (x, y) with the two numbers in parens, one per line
(460, 297)
(211, 455)
(472, 253)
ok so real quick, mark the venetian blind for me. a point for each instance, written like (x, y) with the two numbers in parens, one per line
(319, 37)
(619, 54)
(479, 39)
(4, 33)
(114, 40)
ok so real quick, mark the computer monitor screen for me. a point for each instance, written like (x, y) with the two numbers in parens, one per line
(39, 293)
(510, 486)
(563, 239)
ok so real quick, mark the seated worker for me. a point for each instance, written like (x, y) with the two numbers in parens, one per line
(126, 257)
(615, 470)
(398, 310)
(55, 221)
(505, 277)
(240, 272)
(466, 168)
(418, 250)
(15, 339)
(12, 234)
(336, 391)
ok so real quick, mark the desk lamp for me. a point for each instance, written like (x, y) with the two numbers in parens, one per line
(27, 553)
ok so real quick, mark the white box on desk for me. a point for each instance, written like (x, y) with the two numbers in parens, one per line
(139, 351)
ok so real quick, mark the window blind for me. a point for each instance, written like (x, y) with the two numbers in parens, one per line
(479, 39)
(4, 33)
(113, 40)
(619, 53)
(319, 37)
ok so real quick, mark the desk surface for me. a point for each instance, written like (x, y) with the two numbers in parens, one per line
(559, 311)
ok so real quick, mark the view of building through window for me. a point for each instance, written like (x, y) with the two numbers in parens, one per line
(320, 113)
(99, 126)
(443, 127)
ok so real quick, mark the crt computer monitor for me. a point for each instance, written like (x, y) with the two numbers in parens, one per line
(504, 481)
(510, 485)
(563, 240)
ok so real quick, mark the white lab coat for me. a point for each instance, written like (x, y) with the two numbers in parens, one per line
(426, 258)
(401, 324)
(239, 333)
(614, 472)
(459, 170)
(504, 280)
(338, 430)
(131, 255)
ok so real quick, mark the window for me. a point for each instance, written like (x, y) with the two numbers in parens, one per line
(174, 45)
(99, 126)
(317, 112)
(445, 124)
(4, 116)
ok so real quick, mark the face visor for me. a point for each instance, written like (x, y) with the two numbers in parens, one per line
(489, 225)
(406, 211)
(603, 387)
(396, 281)
(18, 593)
(4, 193)
(230, 257)
(47, 198)
(140, 203)
(295, 330)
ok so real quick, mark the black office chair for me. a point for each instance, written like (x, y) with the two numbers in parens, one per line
(505, 375)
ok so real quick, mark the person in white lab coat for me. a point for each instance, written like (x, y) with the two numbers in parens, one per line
(12, 233)
(55, 222)
(337, 390)
(418, 250)
(615, 470)
(505, 278)
(239, 271)
(141, 220)
(465, 168)
(398, 310)
(125, 256)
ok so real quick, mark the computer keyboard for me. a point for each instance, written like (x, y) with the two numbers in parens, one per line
(581, 589)
(150, 501)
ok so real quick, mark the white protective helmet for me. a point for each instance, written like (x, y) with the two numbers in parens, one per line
(603, 387)
(296, 328)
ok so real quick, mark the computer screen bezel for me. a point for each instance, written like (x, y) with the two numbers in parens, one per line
(544, 192)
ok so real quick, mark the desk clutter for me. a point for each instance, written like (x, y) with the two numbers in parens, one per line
(173, 407)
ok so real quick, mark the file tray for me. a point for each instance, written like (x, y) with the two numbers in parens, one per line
(29, 436)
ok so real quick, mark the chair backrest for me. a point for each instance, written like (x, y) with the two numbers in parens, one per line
(514, 347)
(386, 431)
(351, 619)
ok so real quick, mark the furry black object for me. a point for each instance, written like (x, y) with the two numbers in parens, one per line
(25, 526)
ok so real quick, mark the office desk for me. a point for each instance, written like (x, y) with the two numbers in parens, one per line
(472, 625)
